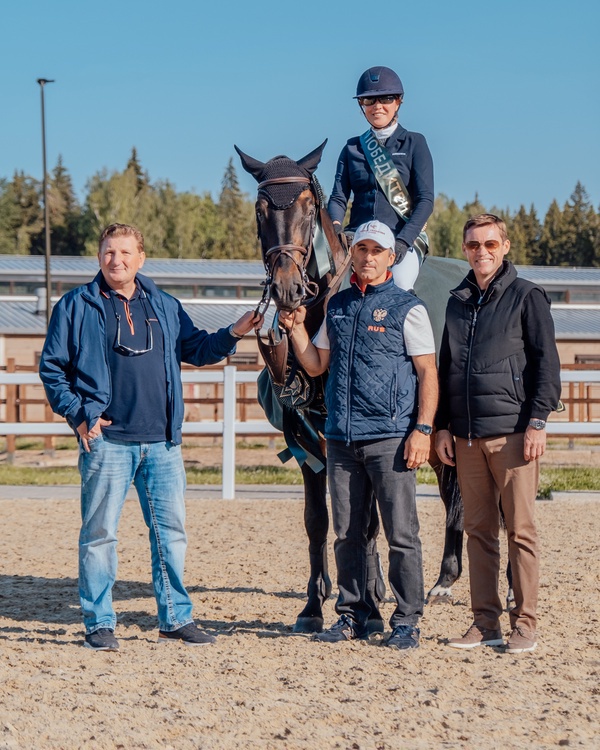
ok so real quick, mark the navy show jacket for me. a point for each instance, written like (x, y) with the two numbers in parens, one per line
(354, 178)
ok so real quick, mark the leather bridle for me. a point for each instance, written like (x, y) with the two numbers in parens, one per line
(271, 256)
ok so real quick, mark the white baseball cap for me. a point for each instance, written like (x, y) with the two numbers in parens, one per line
(377, 231)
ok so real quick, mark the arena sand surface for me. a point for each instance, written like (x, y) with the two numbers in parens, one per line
(260, 686)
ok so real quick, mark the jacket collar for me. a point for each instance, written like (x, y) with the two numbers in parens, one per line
(369, 289)
(468, 291)
(396, 137)
(93, 289)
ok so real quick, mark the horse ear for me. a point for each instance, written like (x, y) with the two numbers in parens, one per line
(252, 166)
(311, 161)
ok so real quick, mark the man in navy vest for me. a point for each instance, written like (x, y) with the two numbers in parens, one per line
(499, 381)
(111, 367)
(381, 397)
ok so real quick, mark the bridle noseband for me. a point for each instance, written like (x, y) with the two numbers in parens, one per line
(272, 255)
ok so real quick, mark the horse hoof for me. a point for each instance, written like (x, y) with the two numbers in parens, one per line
(374, 625)
(308, 625)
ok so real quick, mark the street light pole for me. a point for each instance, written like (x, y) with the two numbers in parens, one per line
(42, 82)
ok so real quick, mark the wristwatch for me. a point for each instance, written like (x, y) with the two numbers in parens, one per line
(426, 429)
(233, 333)
(537, 424)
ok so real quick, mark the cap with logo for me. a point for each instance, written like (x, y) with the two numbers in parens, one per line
(377, 231)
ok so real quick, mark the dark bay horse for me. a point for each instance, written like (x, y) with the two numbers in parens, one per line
(305, 262)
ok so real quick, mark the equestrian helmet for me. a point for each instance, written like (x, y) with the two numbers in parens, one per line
(379, 81)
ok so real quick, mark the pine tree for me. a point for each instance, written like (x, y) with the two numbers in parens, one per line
(552, 237)
(66, 222)
(445, 228)
(474, 207)
(524, 232)
(580, 227)
(237, 215)
(10, 218)
(27, 197)
(141, 178)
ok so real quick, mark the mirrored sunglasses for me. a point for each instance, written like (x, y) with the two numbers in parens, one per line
(368, 101)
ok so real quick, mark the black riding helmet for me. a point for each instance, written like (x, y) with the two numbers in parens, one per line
(379, 81)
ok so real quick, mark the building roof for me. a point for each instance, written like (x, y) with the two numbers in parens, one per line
(554, 277)
(162, 270)
(234, 272)
(18, 314)
(18, 317)
(577, 322)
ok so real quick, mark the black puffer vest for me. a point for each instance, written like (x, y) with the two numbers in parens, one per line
(489, 382)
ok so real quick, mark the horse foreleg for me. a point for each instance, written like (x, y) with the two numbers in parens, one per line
(510, 594)
(451, 566)
(316, 522)
(375, 593)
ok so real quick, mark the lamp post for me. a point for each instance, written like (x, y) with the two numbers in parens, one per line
(42, 82)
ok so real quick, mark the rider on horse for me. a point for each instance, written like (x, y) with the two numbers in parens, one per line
(388, 171)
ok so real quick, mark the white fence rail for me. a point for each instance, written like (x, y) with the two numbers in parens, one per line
(230, 428)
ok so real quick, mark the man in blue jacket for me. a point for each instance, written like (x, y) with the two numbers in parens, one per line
(111, 367)
(381, 398)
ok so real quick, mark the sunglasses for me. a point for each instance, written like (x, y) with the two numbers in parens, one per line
(473, 245)
(126, 350)
(369, 101)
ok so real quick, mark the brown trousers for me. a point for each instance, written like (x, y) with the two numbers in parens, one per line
(493, 471)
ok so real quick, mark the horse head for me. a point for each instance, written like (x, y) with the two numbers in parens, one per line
(286, 211)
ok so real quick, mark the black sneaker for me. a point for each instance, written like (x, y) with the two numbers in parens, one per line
(404, 637)
(345, 629)
(101, 640)
(189, 634)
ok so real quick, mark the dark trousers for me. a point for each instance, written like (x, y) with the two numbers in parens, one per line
(352, 471)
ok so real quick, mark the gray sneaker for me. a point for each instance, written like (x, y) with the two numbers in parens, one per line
(189, 634)
(102, 639)
(520, 641)
(404, 637)
(345, 629)
(477, 636)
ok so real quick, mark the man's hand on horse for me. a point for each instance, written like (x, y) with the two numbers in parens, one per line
(290, 319)
(248, 321)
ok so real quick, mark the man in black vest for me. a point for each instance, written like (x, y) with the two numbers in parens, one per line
(499, 380)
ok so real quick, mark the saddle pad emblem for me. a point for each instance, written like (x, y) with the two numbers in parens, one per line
(379, 315)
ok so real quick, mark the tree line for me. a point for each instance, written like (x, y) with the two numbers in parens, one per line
(188, 225)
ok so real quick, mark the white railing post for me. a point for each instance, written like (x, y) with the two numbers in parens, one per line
(229, 409)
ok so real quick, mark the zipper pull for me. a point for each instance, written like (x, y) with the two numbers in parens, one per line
(470, 442)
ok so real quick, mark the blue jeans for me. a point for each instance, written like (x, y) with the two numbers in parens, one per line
(352, 470)
(157, 472)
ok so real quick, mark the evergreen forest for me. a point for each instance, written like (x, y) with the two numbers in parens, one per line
(188, 225)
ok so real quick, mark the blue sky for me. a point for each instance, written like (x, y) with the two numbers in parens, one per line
(506, 94)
